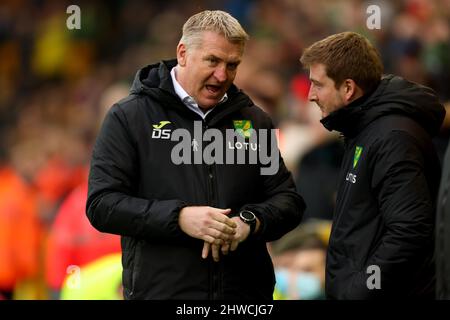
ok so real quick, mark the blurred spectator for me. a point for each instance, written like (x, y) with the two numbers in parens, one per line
(317, 175)
(100, 279)
(20, 230)
(73, 241)
(299, 261)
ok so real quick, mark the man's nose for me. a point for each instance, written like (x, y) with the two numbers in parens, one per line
(220, 73)
(312, 94)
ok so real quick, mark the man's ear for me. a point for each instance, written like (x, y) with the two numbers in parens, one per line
(181, 54)
(351, 90)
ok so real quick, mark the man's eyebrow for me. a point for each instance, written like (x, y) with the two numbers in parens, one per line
(233, 61)
(314, 81)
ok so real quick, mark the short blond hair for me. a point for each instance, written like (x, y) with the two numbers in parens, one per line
(216, 21)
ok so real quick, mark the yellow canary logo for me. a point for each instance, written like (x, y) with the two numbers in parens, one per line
(243, 127)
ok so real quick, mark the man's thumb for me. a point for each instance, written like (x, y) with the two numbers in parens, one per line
(226, 211)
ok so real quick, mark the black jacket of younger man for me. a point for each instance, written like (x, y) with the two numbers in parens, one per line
(382, 238)
(443, 232)
(136, 191)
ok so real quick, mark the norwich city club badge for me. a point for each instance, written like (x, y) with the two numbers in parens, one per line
(357, 155)
(243, 127)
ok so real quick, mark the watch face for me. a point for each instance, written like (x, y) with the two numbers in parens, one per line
(248, 216)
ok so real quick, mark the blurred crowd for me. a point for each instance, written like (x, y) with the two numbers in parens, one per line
(56, 85)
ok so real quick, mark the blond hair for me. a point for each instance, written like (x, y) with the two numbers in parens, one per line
(217, 21)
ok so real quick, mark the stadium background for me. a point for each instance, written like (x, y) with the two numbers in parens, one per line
(56, 84)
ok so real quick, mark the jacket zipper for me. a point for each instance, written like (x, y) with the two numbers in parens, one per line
(212, 201)
(136, 268)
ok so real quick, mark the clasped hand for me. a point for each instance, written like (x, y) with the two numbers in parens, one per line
(220, 232)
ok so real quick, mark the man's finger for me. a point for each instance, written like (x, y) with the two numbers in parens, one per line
(222, 219)
(205, 251)
(213, 239)
(222, 227)
(225, 248)
(221, 216)
(208, 238)
(216, 234)
(226, 211)
(234, 245)
(215, 252)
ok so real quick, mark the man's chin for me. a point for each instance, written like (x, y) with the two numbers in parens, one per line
(206, 106)
(209, 103)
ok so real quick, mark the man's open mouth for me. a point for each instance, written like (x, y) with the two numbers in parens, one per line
(212, 88)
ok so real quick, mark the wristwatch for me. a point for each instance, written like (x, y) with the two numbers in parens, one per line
(249, 218)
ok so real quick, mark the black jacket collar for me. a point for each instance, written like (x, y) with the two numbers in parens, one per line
(393, 95)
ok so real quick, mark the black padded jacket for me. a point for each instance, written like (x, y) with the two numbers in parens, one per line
(136, 190)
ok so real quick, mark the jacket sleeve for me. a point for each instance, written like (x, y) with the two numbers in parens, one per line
(112, 204)
(283, 208)
(407, 210)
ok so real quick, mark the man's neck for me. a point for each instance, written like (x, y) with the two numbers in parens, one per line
(204, 110)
